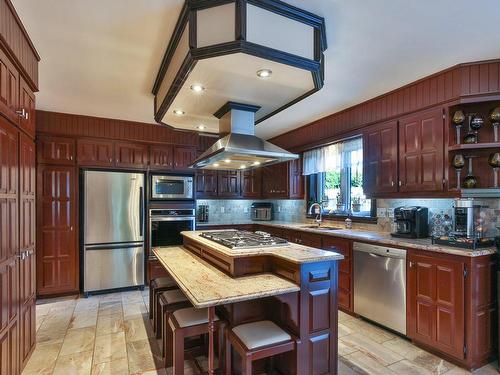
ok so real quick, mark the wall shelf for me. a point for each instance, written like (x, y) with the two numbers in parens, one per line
(475, 146)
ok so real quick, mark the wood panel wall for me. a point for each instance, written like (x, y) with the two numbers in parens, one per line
(15, 39)
(451, 85)
(64, 124)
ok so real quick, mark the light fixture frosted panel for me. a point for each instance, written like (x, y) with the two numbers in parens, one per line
(216, 25)
(275, 31)
(175, 64)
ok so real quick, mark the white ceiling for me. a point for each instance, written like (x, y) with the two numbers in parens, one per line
(100, 57)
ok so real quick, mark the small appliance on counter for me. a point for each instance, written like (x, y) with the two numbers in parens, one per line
(470, 229)
(411, 222)
(202, 212)
(262, 211)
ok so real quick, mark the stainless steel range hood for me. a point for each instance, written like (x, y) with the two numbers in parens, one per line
(239, 148)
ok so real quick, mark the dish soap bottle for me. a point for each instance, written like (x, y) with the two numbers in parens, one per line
(348, 223)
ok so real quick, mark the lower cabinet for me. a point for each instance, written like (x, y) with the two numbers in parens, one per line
(436, 292)
(345, 290)
(57, 253)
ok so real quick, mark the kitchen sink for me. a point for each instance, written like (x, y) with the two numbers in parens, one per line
(320, 228)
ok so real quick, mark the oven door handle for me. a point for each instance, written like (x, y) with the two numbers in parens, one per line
(173, 218)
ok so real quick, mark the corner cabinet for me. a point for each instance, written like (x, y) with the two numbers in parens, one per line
(421, 152)
(436, 291)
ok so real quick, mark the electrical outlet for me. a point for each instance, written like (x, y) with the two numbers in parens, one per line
(381, 212)
(390, 213)
(222, 209)
(245, 210)
(279, 208)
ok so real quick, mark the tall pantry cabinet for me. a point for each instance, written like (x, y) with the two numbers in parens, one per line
(18, 82)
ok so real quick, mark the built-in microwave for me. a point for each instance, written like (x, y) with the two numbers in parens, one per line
(169, 187)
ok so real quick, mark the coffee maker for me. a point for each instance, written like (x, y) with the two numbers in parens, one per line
(467, 219)
(411, 222)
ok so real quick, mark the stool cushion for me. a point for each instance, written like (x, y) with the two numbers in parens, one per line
(259, 334)
(174, 296)
(163, 282)
(191, 316)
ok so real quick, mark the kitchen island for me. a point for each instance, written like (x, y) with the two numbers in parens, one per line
(293, 285)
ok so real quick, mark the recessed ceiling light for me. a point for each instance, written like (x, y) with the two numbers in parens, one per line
(264, 73)
(197, 88)
(216, 165)
(227, 161)
(243, 166)
(256, 163)
(179, 112)
(201, 127)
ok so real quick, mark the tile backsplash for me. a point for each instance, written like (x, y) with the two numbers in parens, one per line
(228, 211)
(294, 210)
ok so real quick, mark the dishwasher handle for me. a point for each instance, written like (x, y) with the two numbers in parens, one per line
(379, 251)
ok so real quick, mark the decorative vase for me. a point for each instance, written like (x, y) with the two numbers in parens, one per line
(495, 121)
(458, 120)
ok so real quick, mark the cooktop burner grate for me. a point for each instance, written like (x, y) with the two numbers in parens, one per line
(237, 239)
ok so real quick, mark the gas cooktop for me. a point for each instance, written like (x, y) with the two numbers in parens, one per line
(238, 239)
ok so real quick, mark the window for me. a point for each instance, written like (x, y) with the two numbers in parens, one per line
(336, 179)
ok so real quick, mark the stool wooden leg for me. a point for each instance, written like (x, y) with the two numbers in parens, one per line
(168, 342)
(158, 321)
(178, 344)
(228, 354)
(247, 365)
(150, 301)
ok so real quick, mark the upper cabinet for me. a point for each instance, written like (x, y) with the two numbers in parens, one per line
(56, 150)
(183, 157)
(94, 152)
(421, 152)
(229, 184)
(131, 155)
(380, 166)
(296, 179)
(251, 183)
(161, 157)
(283, 180)
(9, 89)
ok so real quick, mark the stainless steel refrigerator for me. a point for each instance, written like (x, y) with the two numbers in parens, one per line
(113, 213)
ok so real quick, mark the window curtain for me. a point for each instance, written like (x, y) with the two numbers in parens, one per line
(334, 157)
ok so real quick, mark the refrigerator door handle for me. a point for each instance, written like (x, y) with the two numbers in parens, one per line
(141, 211)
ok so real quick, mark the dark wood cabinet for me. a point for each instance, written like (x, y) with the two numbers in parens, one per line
(131, 155)
(251, 183)
(57, 255)
(275, 182)
(296, 179)
(95, 152)
(56, 150)
(345, 289)
(161, 157)
(206, 183)
(9, 89)
(380, 159)
(421, 152)
(436, 303)
(27, 108)
(228, 183)
(183, 157)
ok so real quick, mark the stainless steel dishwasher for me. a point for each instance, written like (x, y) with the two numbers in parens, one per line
(380, 285)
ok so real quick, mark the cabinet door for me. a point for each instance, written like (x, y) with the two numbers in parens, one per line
(9, 279)
(9, 89)
(27, 331)
(296, 179)
(95, 152)
(131, 155)
(251, 183)
(228, 184)
(56, 150)
(421, 152)
(9, 350)
(275, 181)
(57, 251)
(380, 155)
(27, 107)
(183, 157)
(161, 157)
(436, 303)
(206, 184)
(344, 247)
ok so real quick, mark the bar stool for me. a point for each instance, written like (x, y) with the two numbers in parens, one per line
(168, 302)
(156, 286)
(189, 322)
(254, 341)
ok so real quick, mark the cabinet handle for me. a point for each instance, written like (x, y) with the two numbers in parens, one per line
(110, 160)
(71, 157)
(400, 183)
(392, 183)
(21, 112)
(71, 228)
(410, 264)
(26, 115)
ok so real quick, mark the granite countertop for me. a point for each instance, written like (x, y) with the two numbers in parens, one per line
(292, 252)
(206, 286)
(377, 237)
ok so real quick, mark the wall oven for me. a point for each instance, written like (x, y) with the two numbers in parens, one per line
(166, 225)
(168, 187)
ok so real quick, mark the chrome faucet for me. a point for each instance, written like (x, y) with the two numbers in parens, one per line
(319, 217)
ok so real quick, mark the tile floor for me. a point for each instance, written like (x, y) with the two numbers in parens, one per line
(111, 334)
